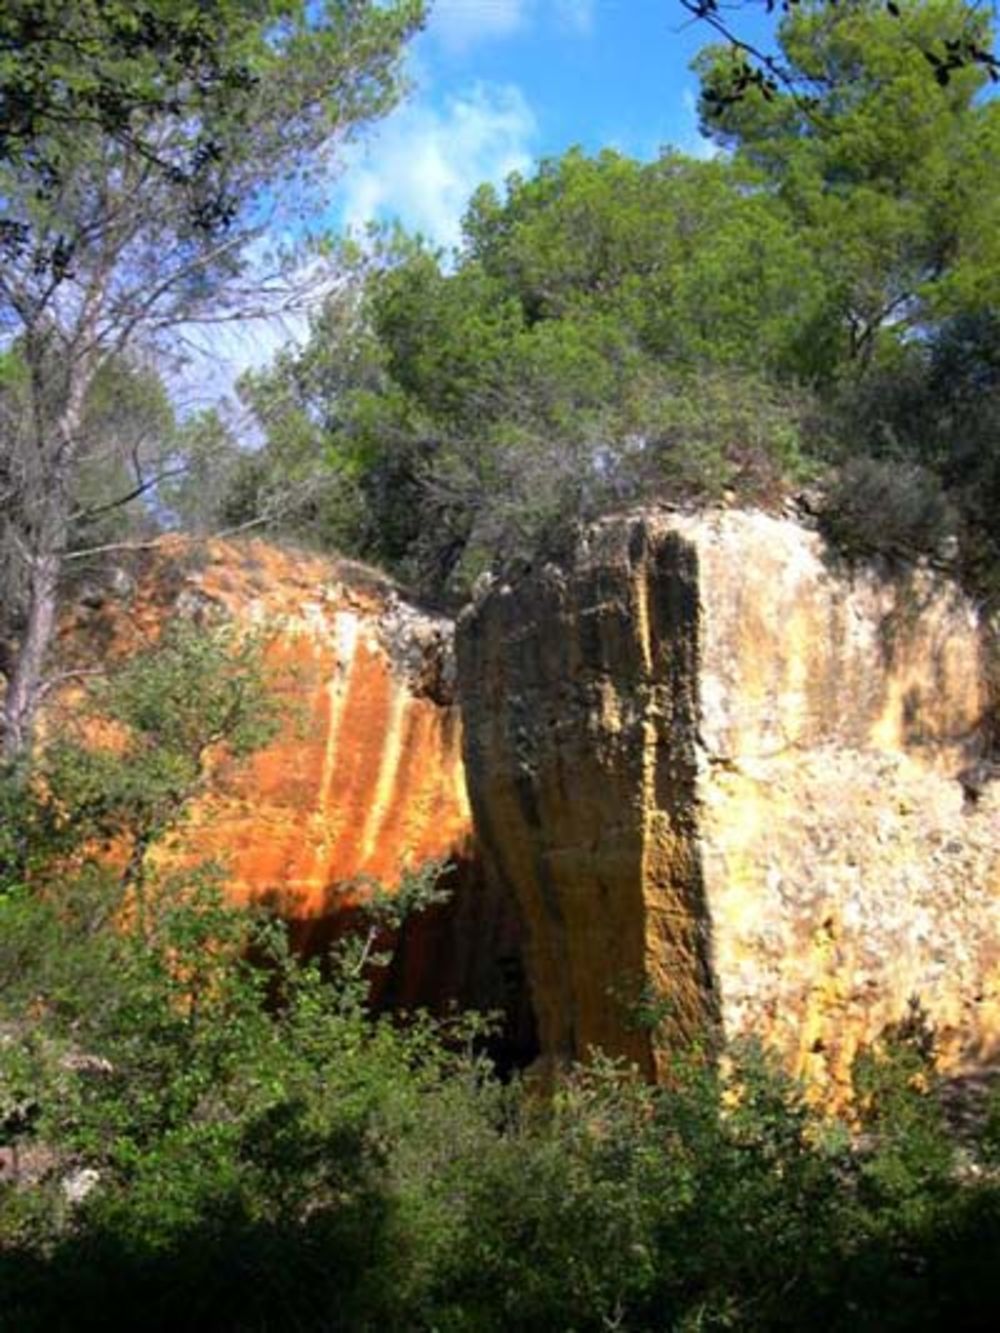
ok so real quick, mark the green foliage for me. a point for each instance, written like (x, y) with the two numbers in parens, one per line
(178, 86)
(956, 48)
(222, 1102)
(890, 508)
(611, 330)
(371, 1173)
(695, 263)
(918, 451)
(197, 691)
(725, 432)
(198, 1129)
(597, 340)
(140, 149)
(210, 1133)
(892, 1082)
(886, 173)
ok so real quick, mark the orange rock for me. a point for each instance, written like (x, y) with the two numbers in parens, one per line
(365, 777)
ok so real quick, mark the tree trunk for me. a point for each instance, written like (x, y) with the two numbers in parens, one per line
(43, 522)
(24, 683)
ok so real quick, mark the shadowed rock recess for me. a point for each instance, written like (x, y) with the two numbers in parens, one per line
(726, 780)
(365, 777)
(718, 783)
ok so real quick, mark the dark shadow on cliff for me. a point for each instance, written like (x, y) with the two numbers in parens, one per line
(906, 575)
(465, 953)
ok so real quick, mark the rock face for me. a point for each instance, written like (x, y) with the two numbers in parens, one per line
(366, 776)
(721, 776)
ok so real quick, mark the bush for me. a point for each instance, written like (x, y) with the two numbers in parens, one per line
(204, 1132)
(725, 430)
(272, 1156)
(893, 508)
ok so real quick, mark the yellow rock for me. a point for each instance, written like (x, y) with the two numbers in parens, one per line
(718, 769)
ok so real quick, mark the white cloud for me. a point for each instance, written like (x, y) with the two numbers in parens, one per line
(576, 15)
(424, 162)
(420, 165)
(692, 141)
(459, 24)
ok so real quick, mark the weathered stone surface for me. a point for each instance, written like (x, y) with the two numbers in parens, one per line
(715, 767)
(366, 775)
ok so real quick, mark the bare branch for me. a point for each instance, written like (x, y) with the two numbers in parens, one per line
(53, 682)
(143, 486)
(220, 534)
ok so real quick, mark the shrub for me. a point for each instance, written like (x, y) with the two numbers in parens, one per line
(211, 1134)
(888, 507)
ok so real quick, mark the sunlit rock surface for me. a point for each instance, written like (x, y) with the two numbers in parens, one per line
(366, 776)
(721, 775)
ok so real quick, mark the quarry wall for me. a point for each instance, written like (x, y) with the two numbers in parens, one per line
(727, 779)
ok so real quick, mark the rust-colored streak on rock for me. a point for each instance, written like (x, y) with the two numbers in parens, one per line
(333, 799)
(365, 777)
(720, 771)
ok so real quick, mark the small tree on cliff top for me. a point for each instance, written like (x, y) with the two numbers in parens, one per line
(122, 224)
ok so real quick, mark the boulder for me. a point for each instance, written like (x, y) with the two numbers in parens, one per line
(720, 771)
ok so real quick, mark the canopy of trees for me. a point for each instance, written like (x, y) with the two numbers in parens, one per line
(142, 149)
(680, 328)
(962, 44)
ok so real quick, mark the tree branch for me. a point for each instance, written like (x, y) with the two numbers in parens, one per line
(61, 677)
(108, 548)
(140, 489)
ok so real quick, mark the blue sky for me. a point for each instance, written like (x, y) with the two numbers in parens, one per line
(499, 84)
(496, 86)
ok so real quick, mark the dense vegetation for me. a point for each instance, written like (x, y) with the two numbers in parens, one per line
(142, 148)
(817, 302)
(201, 1131)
